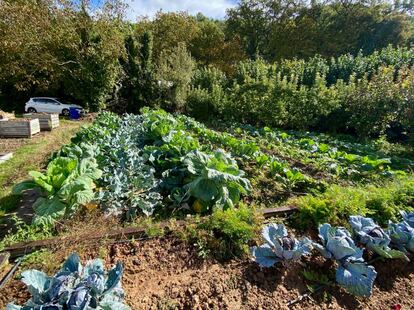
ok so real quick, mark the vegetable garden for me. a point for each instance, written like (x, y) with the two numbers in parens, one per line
(354, 206)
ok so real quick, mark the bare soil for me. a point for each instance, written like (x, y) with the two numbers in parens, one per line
(168, 274)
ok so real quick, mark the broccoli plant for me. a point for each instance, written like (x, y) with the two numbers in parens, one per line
(353, 273)
(279, 246)
(75, 287)
(373, 237)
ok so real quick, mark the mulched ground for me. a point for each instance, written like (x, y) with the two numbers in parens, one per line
(168, 274)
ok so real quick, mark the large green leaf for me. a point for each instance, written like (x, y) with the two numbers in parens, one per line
(41, 180)
(48, 210)
(25, 185)
(203, 189)
(64, 165)
(79, 191)
(215, 178)
(89, 168)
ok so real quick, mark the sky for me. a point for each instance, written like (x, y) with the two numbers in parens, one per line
(210, 8)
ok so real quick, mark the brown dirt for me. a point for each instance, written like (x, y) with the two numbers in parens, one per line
(168, 274)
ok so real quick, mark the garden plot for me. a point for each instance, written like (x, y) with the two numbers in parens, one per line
(162, 167)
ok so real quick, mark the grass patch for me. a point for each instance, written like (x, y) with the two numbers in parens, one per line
(30, 154)
(25, 232)
(43, 259)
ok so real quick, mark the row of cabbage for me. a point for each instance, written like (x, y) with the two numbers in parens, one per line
(351, 160)
(291, 178)
(85, 287)
(353, 272)
(136, 164)
(75, 287)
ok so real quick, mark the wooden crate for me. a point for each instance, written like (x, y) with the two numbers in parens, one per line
(47, 121)
(19, 128)
(5, 115)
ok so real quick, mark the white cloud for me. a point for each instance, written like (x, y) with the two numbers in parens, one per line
(210, 8)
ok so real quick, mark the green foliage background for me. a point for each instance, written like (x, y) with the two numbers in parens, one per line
(339, 66)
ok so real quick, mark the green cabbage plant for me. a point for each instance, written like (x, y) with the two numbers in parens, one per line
(215, 179)
(67, 184)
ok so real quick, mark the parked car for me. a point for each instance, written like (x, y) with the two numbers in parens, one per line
(49, 105)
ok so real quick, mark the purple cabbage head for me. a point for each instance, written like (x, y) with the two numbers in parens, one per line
(279, 246)
(75, 287)
(374, 237)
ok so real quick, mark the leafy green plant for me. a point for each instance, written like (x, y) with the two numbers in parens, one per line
(67, 184)
(382, 203)
(226, 233)
(24, 232)
(75, 287)
(215, 179)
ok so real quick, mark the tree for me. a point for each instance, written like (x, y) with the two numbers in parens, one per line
(277, 29)
(249, 21)
(169, 30)
(174, 74)
(211, 48)
(57, 48)
(28, 62)
(93, 67)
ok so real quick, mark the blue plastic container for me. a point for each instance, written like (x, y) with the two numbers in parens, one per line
(74, 113)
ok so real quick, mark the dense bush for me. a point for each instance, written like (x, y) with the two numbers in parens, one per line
(364, 95)
(228, 232)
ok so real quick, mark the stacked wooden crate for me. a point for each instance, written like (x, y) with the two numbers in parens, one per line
(19, 128)
(5, 115)
(47, 121)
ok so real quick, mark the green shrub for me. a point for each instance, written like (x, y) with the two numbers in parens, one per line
(226, 233)
(203, 104)
(206, 78)
(365, 95)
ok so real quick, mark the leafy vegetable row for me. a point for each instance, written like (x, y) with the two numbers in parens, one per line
(347, 159)
(290, 177)
(134, 165)
(353, 272)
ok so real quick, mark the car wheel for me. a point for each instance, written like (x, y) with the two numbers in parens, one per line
(31, 110)
(65, 112)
